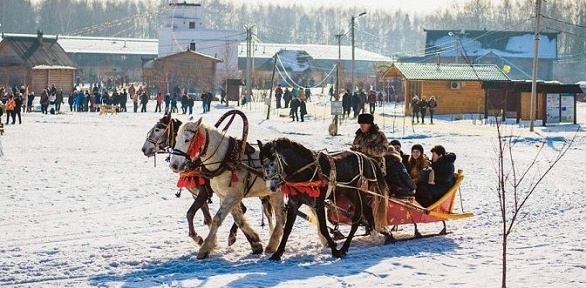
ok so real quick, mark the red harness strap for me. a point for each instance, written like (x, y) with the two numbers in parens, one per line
(190, 179)
(196, 144)
(309, 188)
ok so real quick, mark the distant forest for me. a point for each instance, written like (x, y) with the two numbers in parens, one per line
(393, 34)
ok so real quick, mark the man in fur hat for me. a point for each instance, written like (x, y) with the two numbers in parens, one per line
(370, 140)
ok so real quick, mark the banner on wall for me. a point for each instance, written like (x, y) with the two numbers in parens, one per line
(552, 108)
(567, 107)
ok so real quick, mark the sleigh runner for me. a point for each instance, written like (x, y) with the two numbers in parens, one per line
(406, 211)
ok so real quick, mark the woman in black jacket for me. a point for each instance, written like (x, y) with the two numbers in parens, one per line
(442, 164)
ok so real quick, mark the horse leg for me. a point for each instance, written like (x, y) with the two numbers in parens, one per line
(320, 211)
(198, 202)
(275, 204)
(292, 207)
(234, 228)
(368, 221)
(211, 240)
(252, 236)
(355, 223)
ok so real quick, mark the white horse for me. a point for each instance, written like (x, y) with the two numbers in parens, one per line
(161, 139)
(230, 180)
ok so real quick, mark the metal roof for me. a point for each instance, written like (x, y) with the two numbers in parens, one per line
(449, 72)
(109, 45)
(321, 52)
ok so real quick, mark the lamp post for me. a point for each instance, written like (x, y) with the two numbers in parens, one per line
(352, 34)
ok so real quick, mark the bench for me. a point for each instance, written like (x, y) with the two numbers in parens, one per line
(108, 108)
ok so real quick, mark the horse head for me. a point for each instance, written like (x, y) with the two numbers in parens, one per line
(162, 136)
(272, 165)
(189, 144)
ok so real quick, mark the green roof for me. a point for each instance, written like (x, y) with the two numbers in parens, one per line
(450, 72)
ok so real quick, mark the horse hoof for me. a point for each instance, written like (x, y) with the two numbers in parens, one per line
(338, 254)
(203, 255)
(275, 258)
(270, 250)
(257, 250)
(231, 240)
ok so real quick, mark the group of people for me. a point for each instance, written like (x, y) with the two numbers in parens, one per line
(414, 175)
(294, 99)
(357, 102)
(12, 103)
(420, 106)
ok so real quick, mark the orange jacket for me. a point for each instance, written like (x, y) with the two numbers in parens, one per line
(10, 104)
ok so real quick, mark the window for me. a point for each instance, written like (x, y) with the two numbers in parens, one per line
(191, 25)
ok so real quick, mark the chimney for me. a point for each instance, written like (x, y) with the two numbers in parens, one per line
(192, 46)
(40, 36)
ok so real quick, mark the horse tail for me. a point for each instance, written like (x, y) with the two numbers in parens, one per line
(311, 216)
(381, 200)
(267, 209)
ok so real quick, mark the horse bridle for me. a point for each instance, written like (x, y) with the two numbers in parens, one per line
(168, 132)
(201, 152)
(281, 176)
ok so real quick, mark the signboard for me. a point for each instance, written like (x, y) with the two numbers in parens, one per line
(336, 108)
(552, 108)
(567, 107)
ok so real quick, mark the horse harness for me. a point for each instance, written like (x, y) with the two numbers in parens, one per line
(331, 179)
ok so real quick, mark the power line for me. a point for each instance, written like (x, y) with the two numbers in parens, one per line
(564, 22)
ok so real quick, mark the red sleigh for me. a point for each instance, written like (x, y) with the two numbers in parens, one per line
(403, 211)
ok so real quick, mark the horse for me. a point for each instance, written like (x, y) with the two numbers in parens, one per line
(309, 178)
(160, 139)
(230, 178)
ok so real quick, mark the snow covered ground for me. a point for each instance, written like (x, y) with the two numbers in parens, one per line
(81, 206)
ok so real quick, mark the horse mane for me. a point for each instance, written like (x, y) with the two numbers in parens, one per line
(286, 143)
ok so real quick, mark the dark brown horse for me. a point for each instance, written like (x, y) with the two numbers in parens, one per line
(309, 178)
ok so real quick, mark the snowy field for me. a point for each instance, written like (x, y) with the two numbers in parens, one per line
(82, 206)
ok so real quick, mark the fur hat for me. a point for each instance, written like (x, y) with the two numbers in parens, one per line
(417, 147)
(365, 118)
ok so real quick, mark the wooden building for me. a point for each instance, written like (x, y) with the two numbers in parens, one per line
(35, 61)
(555, 102)
(457, 87)
(187, 71)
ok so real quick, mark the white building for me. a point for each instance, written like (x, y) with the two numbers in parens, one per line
(183, 30)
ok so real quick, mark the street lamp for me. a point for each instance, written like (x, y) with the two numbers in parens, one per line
(352, 34)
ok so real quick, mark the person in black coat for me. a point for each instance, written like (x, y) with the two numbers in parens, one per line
(442, 166)
(346, 104)
(397, 146)
(398, 179)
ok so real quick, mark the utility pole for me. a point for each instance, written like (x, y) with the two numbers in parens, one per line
(248, 63)
(535, 62)
(353, 58)
(272, 83)
(337, 91)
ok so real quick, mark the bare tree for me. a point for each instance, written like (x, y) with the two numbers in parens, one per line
(512, 190)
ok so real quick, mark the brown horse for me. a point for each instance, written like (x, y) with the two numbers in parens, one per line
(309, 178)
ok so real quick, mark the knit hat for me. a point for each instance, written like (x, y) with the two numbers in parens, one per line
(396, 142)
(365, 118)
(417, 147)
